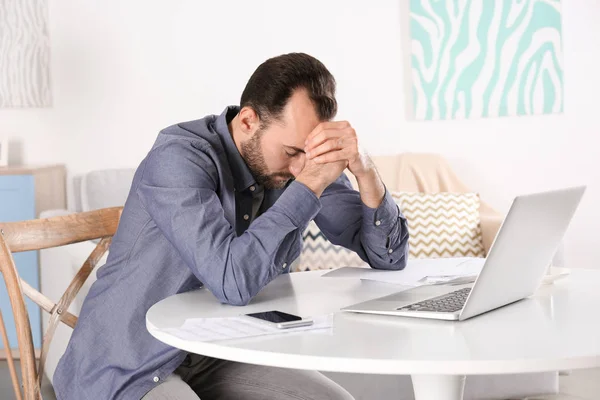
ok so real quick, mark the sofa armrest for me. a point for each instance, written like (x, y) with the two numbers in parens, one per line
(490, 224)
(559, 257)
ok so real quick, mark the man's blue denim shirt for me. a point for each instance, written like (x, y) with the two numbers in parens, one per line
(191, 219)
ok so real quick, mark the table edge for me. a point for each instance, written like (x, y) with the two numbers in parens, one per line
(374, 366)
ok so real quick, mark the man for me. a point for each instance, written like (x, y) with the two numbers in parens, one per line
(215, 203)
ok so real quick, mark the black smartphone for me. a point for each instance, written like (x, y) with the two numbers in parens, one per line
(280, 319)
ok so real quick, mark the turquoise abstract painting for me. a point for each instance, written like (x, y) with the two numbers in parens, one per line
(485, 58)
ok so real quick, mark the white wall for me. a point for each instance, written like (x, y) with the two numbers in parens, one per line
(122, 70)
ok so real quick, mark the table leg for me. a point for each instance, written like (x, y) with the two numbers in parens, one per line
(438, 387)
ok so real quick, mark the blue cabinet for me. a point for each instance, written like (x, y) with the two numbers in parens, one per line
(24, 193)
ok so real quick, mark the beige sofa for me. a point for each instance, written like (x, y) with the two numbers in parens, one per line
(409, 172)
(431, 173)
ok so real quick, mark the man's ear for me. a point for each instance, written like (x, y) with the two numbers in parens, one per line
(249, 121)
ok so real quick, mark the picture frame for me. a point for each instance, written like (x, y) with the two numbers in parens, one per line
(3, 151)
(463, 66)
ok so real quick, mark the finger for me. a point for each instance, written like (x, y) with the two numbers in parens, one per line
(327, 134)
(327, 146)
(340, 143)
(327, 125)
(321, 138)
(333, 156)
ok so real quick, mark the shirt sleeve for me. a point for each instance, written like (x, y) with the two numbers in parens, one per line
(178, 189)
(378, 235)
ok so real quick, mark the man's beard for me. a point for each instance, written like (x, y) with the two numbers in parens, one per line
(255, 160)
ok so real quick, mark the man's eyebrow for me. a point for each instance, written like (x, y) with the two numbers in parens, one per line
(295, 149)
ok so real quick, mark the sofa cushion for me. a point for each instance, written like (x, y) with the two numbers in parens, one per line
(442, 224)
(320, 253)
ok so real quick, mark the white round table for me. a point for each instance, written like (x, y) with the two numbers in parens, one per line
(557, 329)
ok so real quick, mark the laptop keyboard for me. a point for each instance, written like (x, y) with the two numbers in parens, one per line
(449, 302)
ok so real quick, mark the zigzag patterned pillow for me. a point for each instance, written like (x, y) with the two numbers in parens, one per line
(320, 253)
(442, 224)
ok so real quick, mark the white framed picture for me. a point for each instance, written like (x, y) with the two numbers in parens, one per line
(471, 61)
(3, 151)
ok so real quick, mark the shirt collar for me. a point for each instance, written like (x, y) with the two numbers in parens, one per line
(242, 176)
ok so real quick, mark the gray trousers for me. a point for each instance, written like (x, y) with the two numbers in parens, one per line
(207, 378)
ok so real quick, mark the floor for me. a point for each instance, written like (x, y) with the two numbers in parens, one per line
(6, 388)
(579, 385)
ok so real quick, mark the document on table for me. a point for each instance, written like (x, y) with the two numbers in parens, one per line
(212, 329)
(419, 272)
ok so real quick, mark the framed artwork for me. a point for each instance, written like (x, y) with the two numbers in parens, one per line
(477, 59)
(24, 54)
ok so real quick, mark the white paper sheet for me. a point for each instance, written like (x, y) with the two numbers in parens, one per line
(212, 329)
(419, 272)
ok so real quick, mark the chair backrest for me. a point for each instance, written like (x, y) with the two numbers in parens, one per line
(42, 234)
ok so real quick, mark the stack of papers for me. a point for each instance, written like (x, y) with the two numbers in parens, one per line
(212, 329)
(419, 272)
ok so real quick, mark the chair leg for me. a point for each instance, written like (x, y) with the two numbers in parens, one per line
(9, 359)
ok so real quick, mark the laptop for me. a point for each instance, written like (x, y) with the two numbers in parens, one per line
(513, 270)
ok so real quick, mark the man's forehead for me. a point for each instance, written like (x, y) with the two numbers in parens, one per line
(294, 131)
(300, 112)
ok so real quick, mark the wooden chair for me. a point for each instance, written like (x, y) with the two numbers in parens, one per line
(36, 235)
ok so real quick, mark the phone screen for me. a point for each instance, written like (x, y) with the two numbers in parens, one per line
(275, 316)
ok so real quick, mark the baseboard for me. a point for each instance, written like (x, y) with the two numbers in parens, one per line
(15, 354)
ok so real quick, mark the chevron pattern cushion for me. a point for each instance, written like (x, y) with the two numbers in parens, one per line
(320, 253)
(442, 224)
